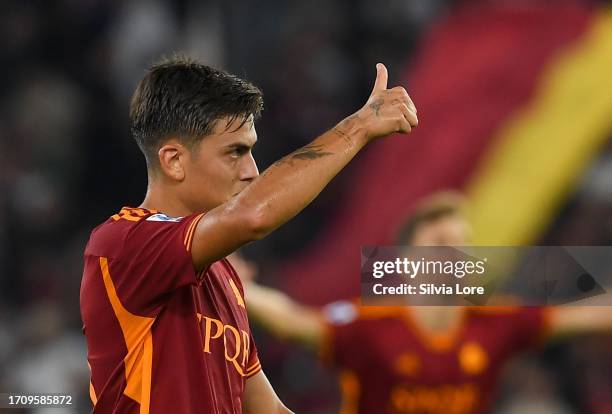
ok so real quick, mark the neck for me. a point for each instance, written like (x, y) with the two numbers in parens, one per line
(438, 318)
(164, 200)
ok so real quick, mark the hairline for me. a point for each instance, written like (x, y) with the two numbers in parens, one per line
(192, 143)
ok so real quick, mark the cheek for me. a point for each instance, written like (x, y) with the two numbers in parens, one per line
(216, 173)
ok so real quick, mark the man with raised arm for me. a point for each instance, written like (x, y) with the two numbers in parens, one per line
(163, 310)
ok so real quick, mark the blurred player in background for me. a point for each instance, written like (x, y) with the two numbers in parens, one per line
(419, 359)
(163, 310)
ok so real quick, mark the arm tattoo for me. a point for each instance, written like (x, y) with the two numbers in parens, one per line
(347, 124)
(309, 152)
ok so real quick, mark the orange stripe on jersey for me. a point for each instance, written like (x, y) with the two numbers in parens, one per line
(248, 372)
(191, 231)
(196, 221)
(92, 391)
(139, 342)
(92, 394)
(253, 370)
(349, 384)
(255, 365)
(236, 293)
(147, 372)
(188, 232)
(253, 373)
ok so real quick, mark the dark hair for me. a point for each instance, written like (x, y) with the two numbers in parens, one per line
(183, 98)
(429, 210)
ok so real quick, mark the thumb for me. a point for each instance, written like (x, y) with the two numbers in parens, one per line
(381, 78)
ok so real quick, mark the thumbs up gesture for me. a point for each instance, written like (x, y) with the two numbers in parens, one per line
(387, 110)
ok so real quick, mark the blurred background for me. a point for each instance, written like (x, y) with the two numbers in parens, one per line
(515, 109)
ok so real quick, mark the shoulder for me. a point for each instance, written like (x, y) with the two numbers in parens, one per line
(133, 228)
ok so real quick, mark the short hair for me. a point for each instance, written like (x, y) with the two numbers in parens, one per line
(180, 97)
(428, 210)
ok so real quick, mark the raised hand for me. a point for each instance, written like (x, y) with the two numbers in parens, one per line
(387, 110)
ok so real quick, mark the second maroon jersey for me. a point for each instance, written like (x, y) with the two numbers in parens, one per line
(390, 365)
(161, 337)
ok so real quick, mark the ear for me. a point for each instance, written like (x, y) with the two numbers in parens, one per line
(172, 160)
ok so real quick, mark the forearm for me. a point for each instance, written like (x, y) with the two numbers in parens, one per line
(291, 183)
(282, 316)
(278, 194)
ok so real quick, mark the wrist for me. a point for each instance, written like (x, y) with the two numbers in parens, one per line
(353, 130)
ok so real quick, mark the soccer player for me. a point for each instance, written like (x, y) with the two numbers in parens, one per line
(163, 310)
(420, 359)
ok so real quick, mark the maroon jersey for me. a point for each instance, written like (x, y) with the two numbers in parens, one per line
(389, 364)
(161, 337)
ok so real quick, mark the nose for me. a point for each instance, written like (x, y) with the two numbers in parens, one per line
(249, 170)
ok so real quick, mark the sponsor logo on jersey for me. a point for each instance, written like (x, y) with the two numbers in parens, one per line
(163, 217)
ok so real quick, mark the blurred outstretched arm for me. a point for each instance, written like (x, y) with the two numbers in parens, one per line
(276, 311)
(283, 316)
(572, 320)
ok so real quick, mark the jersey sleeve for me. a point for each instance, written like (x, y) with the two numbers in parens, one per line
(340, 320)
(154, 259)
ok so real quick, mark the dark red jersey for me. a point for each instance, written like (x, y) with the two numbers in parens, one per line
(161, 337)
(389, 364)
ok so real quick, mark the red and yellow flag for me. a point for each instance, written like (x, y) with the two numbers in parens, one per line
(514, 103)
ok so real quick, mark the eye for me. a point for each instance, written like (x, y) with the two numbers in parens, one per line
(238, 151)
